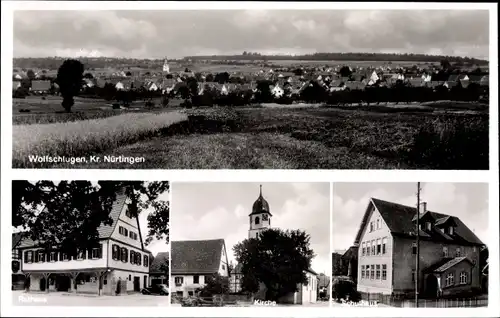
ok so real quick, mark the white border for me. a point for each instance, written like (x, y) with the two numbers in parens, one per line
(244, 175)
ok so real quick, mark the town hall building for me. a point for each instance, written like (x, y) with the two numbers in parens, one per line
(386, 240)
(120, 259)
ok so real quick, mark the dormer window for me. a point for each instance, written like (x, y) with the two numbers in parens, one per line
(450, 230)
(428, 226)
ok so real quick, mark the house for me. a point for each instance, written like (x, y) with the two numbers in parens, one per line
(449, 252)
(157, 272)
(193, 261)
(120, 258)
(16, 84)
(277, 91)
(235, 279)
(350, 259)
(18, 277)
(485, 80)
(119, 86)
(260, 220)
(40, 86)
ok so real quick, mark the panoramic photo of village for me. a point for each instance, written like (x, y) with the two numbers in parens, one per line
(86, 243)
(410, 244)
(250, 244)
(251, 89)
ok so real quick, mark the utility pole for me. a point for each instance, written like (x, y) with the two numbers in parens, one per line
(418, 245)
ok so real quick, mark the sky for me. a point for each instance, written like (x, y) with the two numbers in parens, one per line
(175, 34)
(467, 201)
(155, 246)
(220, 210)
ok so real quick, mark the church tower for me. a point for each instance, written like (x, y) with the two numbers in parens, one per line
(260, 218)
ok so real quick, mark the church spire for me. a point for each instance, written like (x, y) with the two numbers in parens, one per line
(261, 190)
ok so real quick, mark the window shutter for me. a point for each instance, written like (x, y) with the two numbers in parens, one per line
(114, 251)
(126, 255)
(36, 256)
(139, 259)
(100, 251)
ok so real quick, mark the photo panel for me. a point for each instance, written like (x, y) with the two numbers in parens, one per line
(250, 244)
(250, 89)
(385, 256)
(90, 243)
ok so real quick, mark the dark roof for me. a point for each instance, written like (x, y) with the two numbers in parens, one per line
(16, 239)
(351, 253)
(196, 257)
(445, 264)
(157, 262)
(104, 231)
(399, 219)
(260, 205)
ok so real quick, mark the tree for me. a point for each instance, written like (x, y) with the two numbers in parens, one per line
(215, 285)
(67, 214)
(345, 71)
(31, 75)
(278, 259)
(128, 73)
(88, 76)
(298, 72)
(69, 79)
(263, 94)
(445, 64)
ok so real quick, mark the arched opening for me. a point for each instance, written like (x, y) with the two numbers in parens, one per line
(257, 220)
(432, 289)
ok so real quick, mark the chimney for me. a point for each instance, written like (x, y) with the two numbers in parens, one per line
(423, 207)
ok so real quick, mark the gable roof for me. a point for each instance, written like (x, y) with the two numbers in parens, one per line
(445, 264)
(399, 220)
(158, 261)
(16, 239)
(196, 257)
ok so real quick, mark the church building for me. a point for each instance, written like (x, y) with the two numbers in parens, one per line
(260, 220)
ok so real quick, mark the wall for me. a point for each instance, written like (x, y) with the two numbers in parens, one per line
(223, 266)
(66, 265)
(256, 228)
(131, 225)
(126, 266)
(375, 285)
(187, 284)
(430, 253)
(472, 280)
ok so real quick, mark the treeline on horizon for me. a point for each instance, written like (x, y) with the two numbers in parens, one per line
(99, 62)
(385, 57)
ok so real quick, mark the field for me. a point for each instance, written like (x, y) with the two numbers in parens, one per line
(267, 138)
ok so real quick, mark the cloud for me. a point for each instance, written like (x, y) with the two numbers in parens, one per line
(468, 201)
(221, 210)
(173, 33)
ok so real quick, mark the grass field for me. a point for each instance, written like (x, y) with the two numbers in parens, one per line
(284, 138)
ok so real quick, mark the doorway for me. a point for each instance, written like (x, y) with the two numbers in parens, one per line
(431, 286)
(137, 283)
(43, 284)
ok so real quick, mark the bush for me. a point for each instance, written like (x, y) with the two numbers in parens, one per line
(452, 145)
(345, 289)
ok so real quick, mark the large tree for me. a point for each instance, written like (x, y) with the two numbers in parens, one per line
(69, 79)
(68, 213)
(215, 285)
(278, 259)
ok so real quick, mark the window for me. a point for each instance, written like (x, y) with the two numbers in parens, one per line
(40, 256)
(373, 247)
(53, 257)
(133, 235)
(474, 249)
(378, 271)
(179, 281)
(463, 278)
(368, 248)
(450, 279)
(363, 249)
(124, 255)
(428, 226)
(413, 275)
(196, 279)
(116, 252)
(450, 230)
(378, 224)
(81, 255)
(384, 272)
(367, 270)
(384, 244)
(371, 226)
(362, 271)
(458, 252)
(223, 267)
(414, 248)
(379, 247)
(97, 252)
(372, 272)
(129, 277)
(146, 260)
(15, 254)
(132, 257)
(257, 220)
(139, 259)
(445, 251)
(65, 257)
(128, 213)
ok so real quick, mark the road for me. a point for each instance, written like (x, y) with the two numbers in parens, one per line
(21, 298)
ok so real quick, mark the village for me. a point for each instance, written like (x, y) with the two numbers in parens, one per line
(286, 83)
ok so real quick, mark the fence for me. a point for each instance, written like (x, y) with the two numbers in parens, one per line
(480, 301)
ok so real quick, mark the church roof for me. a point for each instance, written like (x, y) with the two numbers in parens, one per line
(260, 205)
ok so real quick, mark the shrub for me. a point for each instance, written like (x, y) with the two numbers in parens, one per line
(345, 289)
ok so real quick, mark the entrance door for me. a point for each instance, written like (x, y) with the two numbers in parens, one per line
(145, 281)
(137, 283)
(432, 286)
(43, 284)
(63, 283)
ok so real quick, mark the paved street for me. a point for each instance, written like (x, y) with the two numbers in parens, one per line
(318, 304)
(21, 298)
